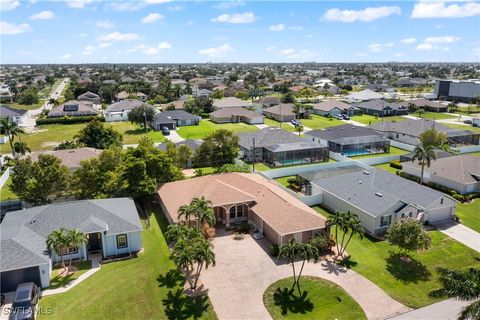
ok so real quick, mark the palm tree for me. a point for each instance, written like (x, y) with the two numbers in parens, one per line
(203, 211)
(354, 225)
(307, 252)
(204, 256)
(424, 155)
(349, 224)
(186, 211)
(56, 242)
(289, 251)
(53, 102)
(183, 257)
(75, 239)
(9, 129)
(463, 285)
(21, 148)
(299, 129)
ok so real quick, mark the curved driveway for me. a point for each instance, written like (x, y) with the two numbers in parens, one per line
(244, 270)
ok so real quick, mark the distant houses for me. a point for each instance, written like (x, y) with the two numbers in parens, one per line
(91, 97)
(122, 95)
(334, 108)
(382, 108)
(235, 115)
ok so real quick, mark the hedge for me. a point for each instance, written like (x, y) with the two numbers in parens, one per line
(69, 120)
(396, 164)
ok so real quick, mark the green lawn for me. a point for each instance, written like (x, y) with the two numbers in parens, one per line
(146, 287)
(319, 122)
(260, 167)
(6, 193)
(284, 180)
(48, 136)
(462, 127)
(476, 154)
(324, 300)
(469, 214)
(206, 126)
(274, 123)
(57, 280)
(393, 151)
(435, 115)
(410, 283)
(368, 119)
(386, 167)
(43, 95)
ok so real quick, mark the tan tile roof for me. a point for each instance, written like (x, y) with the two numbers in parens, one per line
(281, 210)
(70, 158)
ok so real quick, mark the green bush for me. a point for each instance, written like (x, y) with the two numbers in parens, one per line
(396, 164)
(321, 242)
(274, 250)
(232, 168)
(244, 228)
(408, 176)
(458, 197)
(69, 120)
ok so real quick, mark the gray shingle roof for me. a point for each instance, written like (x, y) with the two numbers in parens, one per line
(127, 104)
(173, 115)
(6, 111)
(267, 137)
(23, 233)
(191, 144)
(417, 127)
(361, 189)
(379, 104)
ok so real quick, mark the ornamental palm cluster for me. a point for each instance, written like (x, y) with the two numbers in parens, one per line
(61, 240)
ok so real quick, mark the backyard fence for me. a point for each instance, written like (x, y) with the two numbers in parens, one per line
(379, 160)
(401, 145)
(4, 177)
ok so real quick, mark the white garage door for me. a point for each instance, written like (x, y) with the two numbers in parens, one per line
(441, 214)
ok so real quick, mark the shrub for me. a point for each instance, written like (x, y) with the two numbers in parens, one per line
(396, 164)
(69, 120)
(232, 168)
(408, 176)
(274, 250)
(458, 197)
(321, 242)
(244, 228)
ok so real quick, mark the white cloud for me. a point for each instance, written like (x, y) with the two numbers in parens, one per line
(176, 8)
(157, 1)
(78, 4)
(408, 40)
(442, 10)
(104, 24)
(277, 27)
(375, 47)
(366, 15)
(152, 17)
(247, 17)
(389, 45)
(425, 46)
(117, 36)
(216, 51)
(271, 48)
(229, 5)
(82, 35)
(88, 50)
(104, 45)
(126, 5)
(12, 28)
(438, 26)
(7, 5)
(66, 56)
(43, 15)
(150, 50)
(295, 54)
(398, 54)
(442, 39)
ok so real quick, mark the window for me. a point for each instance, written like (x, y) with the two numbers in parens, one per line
(385, 221)
(240, 211)
(122, 241)
(232, 212)
(441, 201)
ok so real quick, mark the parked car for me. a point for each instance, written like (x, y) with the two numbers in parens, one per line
(25, 302)
(165, 131)
(338, 117)
(345, 117)
(467, 121)
(296, 122)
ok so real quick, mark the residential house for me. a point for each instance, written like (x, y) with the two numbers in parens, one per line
(379, 197)
(176, 105)
(91, 97)
(277, 147)
(18, 116)
(246, 197)
(407, 82)
(428, 105)
(73, 108)
(122, 95)
(466, 91)
(364, 95)
(230, 102)
(350, 140)
(267, 102)
(282, 112)
(71, 158)
(173, 119)
(333, 107)
(112, 228)
(202, 93)
(460, 173)
(191, 144)
(382, 108)
(409, 131)
(234, 115)
(119, 111)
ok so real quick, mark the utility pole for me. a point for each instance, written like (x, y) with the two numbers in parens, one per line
(253, 153)
(145, 118)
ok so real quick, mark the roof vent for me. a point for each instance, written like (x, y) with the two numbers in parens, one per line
(378, 194)
(366, 172)
(360, 181)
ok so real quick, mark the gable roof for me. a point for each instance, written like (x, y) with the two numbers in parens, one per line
(170, 116)
(230, 102)
(89, 95)
(7, 111)
(70, 158)
(280, 210)
(23, 233)
(331, 104)
(380, 104)
(127, 104)
(366, 94)
(347, 134)
(284, 109)
(267, 137)
(235, 111)
(417, 127)
(84, 108)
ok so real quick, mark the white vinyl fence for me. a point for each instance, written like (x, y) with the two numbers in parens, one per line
(4, 177)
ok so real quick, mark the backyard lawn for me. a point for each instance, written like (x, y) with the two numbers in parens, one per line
(260, 167)
(462, 127)
(476, 154)
(206, 126)
(393, 151)
(435, 115)
(57, 280)
(6, 193)
(146, 287)
(386, 167)
(284, 180)
(410, 283)
(324, 300)
(469, 214)
(319, 122)
(42, 95)
(273, 123)
(368, 119)
(48, 136)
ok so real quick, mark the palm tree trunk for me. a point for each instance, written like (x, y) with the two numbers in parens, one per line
(299, 275)
(346, 244)
(421, 174)
(197, 276)
(336, 240)
(341, 249)
(294, 275)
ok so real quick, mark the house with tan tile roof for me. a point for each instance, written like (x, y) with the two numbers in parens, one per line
(70, 158)
(246, 197)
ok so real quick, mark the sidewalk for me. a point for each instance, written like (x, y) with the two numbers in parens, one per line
(445, 310)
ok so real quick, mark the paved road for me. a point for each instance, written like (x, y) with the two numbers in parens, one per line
(444, 310)
(244, 270)
(461, 233)
(55, 95)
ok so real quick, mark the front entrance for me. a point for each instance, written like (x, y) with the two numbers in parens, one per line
(94, 242)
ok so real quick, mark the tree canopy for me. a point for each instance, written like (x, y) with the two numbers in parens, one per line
(408, 235)
(218, 148)
(96, 135)
(141, 115)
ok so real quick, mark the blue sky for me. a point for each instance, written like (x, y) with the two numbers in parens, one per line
(80, 31)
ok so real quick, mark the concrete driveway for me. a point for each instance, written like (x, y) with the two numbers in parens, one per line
(446, 310)
(461, 233)
(244, 270)
(174, 137)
